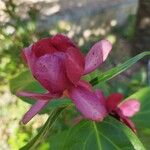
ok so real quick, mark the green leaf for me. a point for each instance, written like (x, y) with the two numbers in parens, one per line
(45, 131)
(117, 70)
(142, 118)
(109, 134)
(24, 80)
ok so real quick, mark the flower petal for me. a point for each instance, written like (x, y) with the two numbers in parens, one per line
(29, 57)
(129, 108)
(49, 70)
(74, 64)
(129, 123)
(97, 55)
(43, 47)
(101, 97)
(85, 84)
(44, 96)
(62, 42)
(88, 103)
(113, 100)
(37, 107)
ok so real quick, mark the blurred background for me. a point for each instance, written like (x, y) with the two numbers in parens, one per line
(126, 23)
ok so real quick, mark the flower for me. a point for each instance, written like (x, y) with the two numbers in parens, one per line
(58, 65)
(122, 110)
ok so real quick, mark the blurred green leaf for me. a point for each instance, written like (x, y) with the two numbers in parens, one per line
(45, 131)
(119, 69)
(21, 81)
(142, 118)
(109, 134)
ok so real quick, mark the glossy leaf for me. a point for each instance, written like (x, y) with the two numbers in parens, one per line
(118, 70)
(45, 130)
(107, 135)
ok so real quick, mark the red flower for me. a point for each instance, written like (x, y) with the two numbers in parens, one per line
(122, 110)
(57, 64)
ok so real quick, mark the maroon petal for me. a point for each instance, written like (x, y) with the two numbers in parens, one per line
(97, 55)
(29, 57)
(129, 108)
(129, 123)
(88, 103)
(77, 120)
(113, 100)
(74, 64)
(85, 85)
(43, 47)
(37, 107)
(62, 42)
(49, 70)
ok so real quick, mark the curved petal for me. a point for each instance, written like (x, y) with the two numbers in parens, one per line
(129, 123)
(129, 108)
(29, 57)
(44, 96)
(113, 100)
(101, 97)
(49, 70)
(74, 64)
(43, 47)
(88, 103)
(62, 42)
(37, 107)
(85, 85)
(97, 55)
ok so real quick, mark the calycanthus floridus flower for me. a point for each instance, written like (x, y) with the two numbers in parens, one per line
(58, 65)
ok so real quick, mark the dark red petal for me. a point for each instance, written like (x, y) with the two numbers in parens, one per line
(43, 47)
(129, 108)
(74, 64)
(113, 100)
(85, 85)
(129, 123)
(49, 70)
(88, 103)
(62, 42)
(29, 57)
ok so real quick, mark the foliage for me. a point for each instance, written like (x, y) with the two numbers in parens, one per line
(15, 34)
